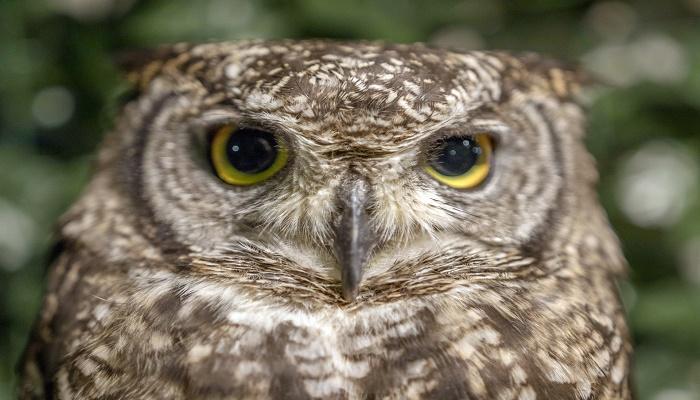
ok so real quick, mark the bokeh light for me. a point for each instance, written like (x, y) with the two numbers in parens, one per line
(657, 184)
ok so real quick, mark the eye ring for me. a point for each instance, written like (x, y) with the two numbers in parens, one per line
(244, 156)
(461, 162)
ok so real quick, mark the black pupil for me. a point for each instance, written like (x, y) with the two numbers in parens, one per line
(456, 155)
(251, 150)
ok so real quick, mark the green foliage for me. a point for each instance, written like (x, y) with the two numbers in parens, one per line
(58, 91)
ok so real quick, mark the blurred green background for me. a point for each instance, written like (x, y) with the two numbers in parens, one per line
(58, 90)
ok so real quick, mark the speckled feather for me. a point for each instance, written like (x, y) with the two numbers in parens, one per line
(172, 285)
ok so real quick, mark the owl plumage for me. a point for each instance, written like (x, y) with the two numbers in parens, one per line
(172, 284)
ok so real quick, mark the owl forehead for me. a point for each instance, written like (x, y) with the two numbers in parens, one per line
(350, 94)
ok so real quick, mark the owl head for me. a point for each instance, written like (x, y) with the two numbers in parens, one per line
(356, 171)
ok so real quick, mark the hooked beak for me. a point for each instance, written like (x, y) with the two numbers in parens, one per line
(354, 238)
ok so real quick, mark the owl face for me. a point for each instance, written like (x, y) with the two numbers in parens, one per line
(353, 161)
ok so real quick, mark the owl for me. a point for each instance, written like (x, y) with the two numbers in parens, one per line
(337, 220)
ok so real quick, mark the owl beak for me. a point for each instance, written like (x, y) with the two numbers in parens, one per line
(354, 237)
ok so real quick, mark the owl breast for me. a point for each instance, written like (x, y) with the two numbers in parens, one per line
(214, 340)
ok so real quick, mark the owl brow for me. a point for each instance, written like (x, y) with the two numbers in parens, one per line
(491, 125)
(216, 117)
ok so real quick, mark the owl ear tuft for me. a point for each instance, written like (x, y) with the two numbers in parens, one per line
(140, 66)
(566, 80)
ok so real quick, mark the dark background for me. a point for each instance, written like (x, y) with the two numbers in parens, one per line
(58, 89)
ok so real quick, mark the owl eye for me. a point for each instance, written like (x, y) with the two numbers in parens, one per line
(246, 156)
(461, 162)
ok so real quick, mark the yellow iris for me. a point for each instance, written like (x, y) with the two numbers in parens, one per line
(467, 172)
(245, 157)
